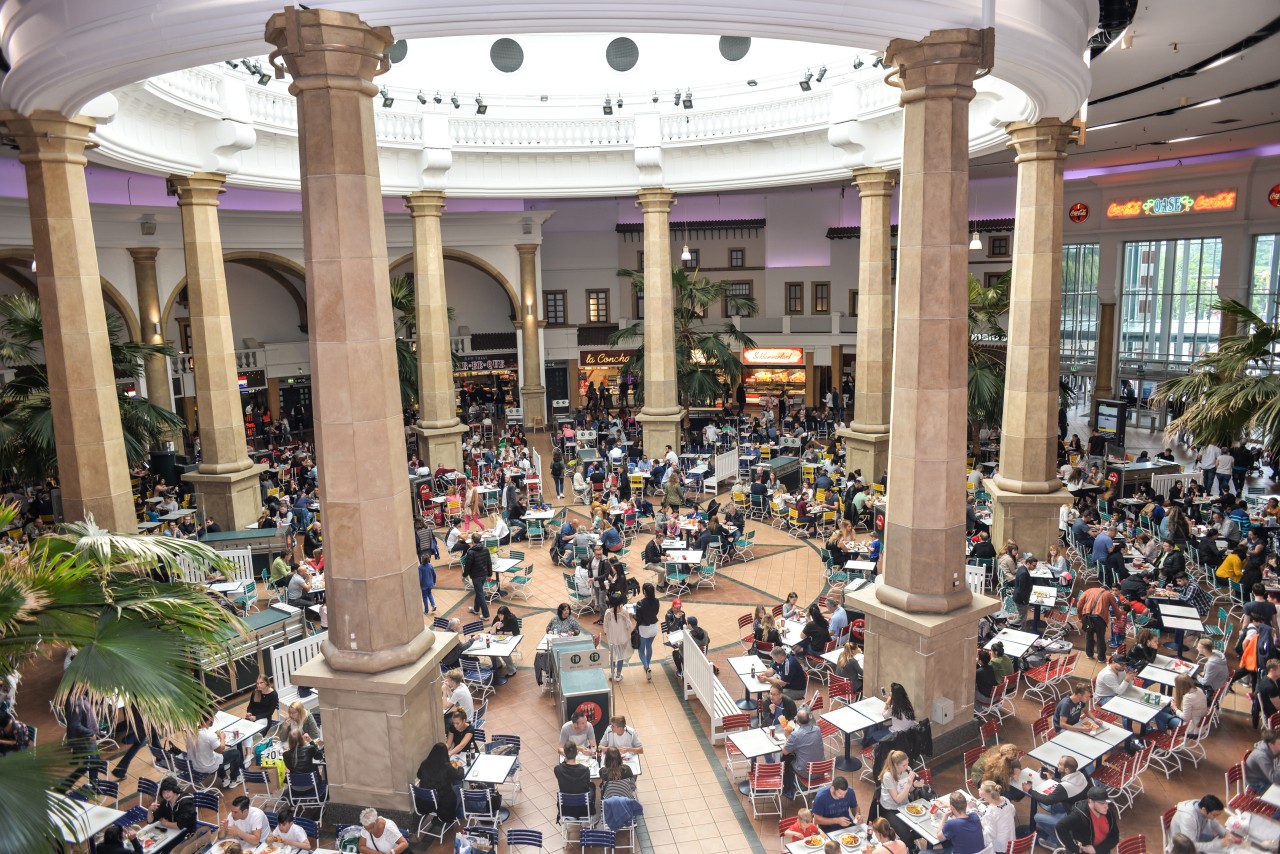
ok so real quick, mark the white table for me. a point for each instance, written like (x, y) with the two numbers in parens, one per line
(491, 769)
(163, 836)
(1187, 624)
(673, 545)
(89, 819)
(926, 825)
(1174, 608)
(1131, 705)
(791, 631)
(691, 557)
(505, 564)
(1044, 596)
(630, 760)
(227, 586)
(1051, 751)
(872, 708)
(744, 666)
(540, 515)
(1082, 744)
(848, 720)
(1271, 795)
(499, 646)
(754, 743)
(1165, 670)
(860, 566)
(248, 729)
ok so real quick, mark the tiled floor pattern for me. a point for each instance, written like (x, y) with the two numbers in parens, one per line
(690, 805)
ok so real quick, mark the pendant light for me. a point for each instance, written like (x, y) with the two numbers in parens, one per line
(976, 242)
(685, 254)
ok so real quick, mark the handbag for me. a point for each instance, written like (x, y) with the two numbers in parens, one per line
(635, 638)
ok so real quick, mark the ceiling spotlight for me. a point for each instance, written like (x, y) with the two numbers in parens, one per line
(454, 101)
(805, 85)
(387, 100)
(437, 98)
(822, 72)
(481, 108)
(655, 96)
(879, 62)
(1222, 60)
(263, 77)
(858, 63)
(677, 98)
(619, 100)
(976, 242)
(542, 98)
(608, 106)
(751, 83)
(232, 63)
(422, 99)
(688, 99)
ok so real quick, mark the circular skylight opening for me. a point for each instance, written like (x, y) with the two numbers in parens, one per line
(506, 55)
(622, 54)
(734, 48)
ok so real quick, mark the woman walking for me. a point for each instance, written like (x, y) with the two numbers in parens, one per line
(471, 507)
(557, 473)
(647, 626)
(617, 633)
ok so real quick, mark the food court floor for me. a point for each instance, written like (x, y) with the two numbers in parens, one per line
(690, 804)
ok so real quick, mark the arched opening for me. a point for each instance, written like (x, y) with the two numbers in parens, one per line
(265, 291)
(16, 276)
(473, 288)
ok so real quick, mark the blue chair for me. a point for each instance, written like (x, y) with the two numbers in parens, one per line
(478, 808)
(263, 779)
(272, 818)
(208, 801)
(598, 839)
(575, 809)
(520, 837)
(427, 807)
(473, 628)
(440, 623)
(309, 827)
(478, 677)
(147, 787)
(108, 789)
(304, 791)
(135, 815)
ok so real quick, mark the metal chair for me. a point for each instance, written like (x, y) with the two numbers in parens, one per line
(211, 801)
(304, 791)
(766, 783)
(522, 838)
(478, 808)
(263, 779)
(427, 808)
(600, 839)
(574, 810)
(147, 786)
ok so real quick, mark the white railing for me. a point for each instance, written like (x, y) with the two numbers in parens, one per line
(460, 343)
(876, 95)
(570, 133)
(272, 109)
(198, 87)
(793, 114)
(397, 127)
(246, 360)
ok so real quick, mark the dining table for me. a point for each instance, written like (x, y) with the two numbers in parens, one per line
(748, 668)
(755, 743)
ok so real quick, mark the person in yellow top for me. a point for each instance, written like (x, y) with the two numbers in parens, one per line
(1232, 567)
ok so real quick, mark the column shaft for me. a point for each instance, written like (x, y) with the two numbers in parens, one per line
(438, 427)
(661, 412)
(1027, 493)
(533, 393)
(156, 368)
(93, 468)
(1105, 364)
(867, 438)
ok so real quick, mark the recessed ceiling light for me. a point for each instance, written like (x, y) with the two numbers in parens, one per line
(1185, 138)
(1222, 60)
(751, 83)
(542, 98)
(1208, 103)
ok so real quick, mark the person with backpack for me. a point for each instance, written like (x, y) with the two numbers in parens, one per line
(478, 566)
(557, 473)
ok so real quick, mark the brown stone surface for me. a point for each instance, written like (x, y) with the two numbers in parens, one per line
(1103, 388)
(156, 369)
(92, 465)
(924, 544)
(369, 544)
(661, 412)
(533, 392)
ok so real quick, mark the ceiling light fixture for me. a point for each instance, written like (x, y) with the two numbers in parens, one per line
(822, 72)
(677, 99)
(1222, 60)
(608, 106)
(751, 83)
(619, 100)
(263, 77)
(1209, 103)
(805, 85)
(1184, 138)
(543, 98)
(976, 242)
(454, 100)
(232, 63)
(655, 96)
(688, 99)
(437, 98)
(422, 99)
(387, 100)
(481, 107)
(879, 62)
(858, 63)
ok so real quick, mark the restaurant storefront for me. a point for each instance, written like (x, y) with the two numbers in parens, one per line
(487, 373)
(605, 369)
(773, 371)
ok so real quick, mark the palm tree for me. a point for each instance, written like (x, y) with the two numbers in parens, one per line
(1234, 392)
(705, 357)
(987, 305)
(137, 637)
(26, 416)
(405, 310)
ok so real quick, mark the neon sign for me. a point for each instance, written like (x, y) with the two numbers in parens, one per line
(1173, 205)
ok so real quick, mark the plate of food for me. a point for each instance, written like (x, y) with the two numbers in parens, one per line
(916, 810)
(848, 840)
(814, 842)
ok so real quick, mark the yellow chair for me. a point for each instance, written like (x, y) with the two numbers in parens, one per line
(766, 452)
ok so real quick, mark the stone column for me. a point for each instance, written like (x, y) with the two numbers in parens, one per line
(226, 479)
(922, 621)
(1027, 493)
(439, 431)
(379, 674)
(866, 441)
(93, 468)
(661, 412)
(156, 368)
(1104, 387)
(533, 393)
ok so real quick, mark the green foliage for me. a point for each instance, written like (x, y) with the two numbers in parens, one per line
(1232, 393)
(26, 415)
(705, 356)
(138, 637)
(404, 308)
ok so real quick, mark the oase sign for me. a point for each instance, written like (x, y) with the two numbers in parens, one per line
(606, 358)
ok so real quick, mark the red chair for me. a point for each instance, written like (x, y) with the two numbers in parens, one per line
(777, 612)
(734, 723)
(989, 731)
(1235, 780)
(1166, 826)
(840, 689)
(1133, 845)
(766, 784)
(1042, 730)
(745, 624)
(970, 757)
(783, 826)
(1022, 845)
(817, 775)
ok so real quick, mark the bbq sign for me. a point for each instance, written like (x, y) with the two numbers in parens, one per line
(1172, 205)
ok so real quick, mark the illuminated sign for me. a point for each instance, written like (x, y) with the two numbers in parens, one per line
(1173, 205)
(1079, 212)
(773, 356)
(606, 358)
(481, 364)
(1274, 196)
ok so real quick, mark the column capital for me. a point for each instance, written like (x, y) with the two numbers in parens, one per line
(144, 254)
(655, 199)
(1046, 139)
(943, 64)
(49, 136)
(199, 188)
(425, 203)
(324, 48)
(527, 249)
(875, 182)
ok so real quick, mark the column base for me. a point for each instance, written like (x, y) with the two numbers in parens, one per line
(660, 430)
(866, 451)
(931, 655)
(1031, 521)
(379, 727)
(533, 403)
(234, 499)
(441, 445)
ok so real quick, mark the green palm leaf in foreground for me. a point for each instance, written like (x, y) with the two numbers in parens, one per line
(140, 640)
(1232, 393)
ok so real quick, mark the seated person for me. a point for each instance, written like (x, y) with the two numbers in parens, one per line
(379, 836)
(174, 808)
(621, 737)
(209, 754)
(779, 706)
(616, 779)
(579, 732)
(245, 823)
(444, 778)
(574, 778)
(786, 673)
(461, 735)
(287, 831)
(302, 755)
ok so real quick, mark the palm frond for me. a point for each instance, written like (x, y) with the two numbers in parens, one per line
(32, 814)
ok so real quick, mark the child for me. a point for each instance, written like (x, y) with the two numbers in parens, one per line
(427, 582)
(803, 828)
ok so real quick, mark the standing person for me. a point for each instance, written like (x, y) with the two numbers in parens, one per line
(1226, 463)
(617, 632)
(427, 583)
(1097, 606)
(82, 740)
(145, 736)
(478, 565)
(1208, 462)
(647, 626)
(471, 506)
(557, 473)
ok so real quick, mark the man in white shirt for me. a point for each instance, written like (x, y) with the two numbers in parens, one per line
(379, 836)
(710, 435)
(209, 753)
(621, 736)
(615, 455)
(1209, 465)
(245, 823)
(671, 458)
(287, 830)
